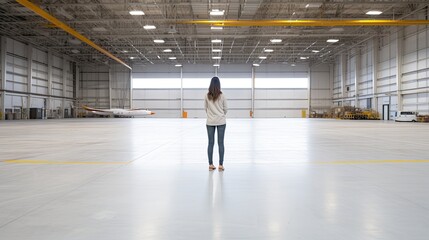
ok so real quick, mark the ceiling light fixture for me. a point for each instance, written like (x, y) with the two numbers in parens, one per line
(124, 51)
(158, 41)
(315, 51)
(293, 64)
(216, 28)
(149, 27)
(217, 12)
(216, 50)
(132, 57)
(262, 57)
(172, 58)
(167, 50)
(158, 57)
(99, 29)
(216, 65)
(332, 40)
(216, 41)
(256, 65)
(137, 13)
(216, 57)
(268, 50)
(336, 29)
(74, 41)
(374, 12)
(276, 40)
(178, 65)
(303, 58)
(308, 5)
(75, 51)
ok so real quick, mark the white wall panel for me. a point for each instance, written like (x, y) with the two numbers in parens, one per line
(140, 94)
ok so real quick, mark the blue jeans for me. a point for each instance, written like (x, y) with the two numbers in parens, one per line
(220, 137)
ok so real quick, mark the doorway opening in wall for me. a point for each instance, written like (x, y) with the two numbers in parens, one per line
(386, 112)
(273, 97)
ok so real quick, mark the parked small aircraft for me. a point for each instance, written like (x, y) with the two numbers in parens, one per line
(119, 112)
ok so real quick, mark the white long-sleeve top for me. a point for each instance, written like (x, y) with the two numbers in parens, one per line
(216, 110)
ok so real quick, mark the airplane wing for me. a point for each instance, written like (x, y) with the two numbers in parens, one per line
(119, 112)
(95, 110)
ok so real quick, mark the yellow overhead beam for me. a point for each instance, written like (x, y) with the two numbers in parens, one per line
(306, 23)
(68, 29)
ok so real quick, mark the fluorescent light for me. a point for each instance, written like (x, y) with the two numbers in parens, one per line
(374, 12)
(276, 40)
(74, 41)
(149, 27)
(75, 51)
(172, 58)
(158, 41)
(99, 29)
(216, 65)
(293, 64)
(262, 57)
(315, 51)
(332, 40)
(217, 12)
(216, 57)
(308, 5)
(303, 58)
(167, 50)
(158, 57)
(124, 51)
(178, 65)
(336, 29)
(268, 50)
(136, 13)
(256, 65)
(132, 57)
(216, 41)
(216, 28)
(216, 50)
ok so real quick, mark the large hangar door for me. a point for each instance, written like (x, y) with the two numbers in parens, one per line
(281, 91)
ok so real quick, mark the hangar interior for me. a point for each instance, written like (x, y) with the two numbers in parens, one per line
(368, 67)
(73, 176)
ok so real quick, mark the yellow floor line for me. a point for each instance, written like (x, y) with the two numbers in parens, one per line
(22, 161)
(374, 161)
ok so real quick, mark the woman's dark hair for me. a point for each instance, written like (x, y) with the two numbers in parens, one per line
(214, 89)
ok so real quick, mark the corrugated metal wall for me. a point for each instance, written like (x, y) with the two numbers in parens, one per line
(34, 78)
(411, 52)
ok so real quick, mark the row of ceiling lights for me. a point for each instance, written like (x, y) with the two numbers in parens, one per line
(217, 12)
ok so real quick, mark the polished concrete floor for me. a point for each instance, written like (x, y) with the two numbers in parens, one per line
(125, 179)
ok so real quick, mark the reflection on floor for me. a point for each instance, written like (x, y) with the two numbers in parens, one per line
(130, 179)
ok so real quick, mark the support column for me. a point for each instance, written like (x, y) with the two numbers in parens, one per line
(63, 103)
(3, 76)
(131, 88)
(331, 82)
(110, 87)
(309, 91)
(181, 91)
(374, 73)
(399, 55)
(76, 77)
(49, 99)
(343, 59)
(29, 79)
(357, 76)
(253, 92)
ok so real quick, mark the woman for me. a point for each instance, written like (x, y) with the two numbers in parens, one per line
(216, 109)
